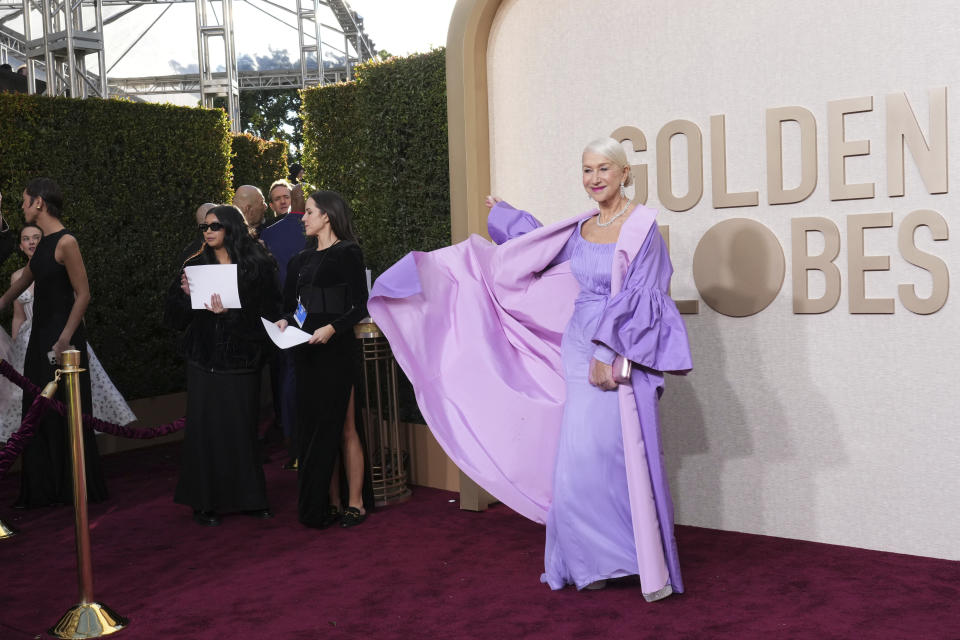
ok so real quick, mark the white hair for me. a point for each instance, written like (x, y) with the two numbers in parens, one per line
(612, 151)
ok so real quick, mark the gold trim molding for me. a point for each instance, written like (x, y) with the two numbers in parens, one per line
(468, 115)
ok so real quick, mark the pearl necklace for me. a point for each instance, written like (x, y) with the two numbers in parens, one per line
(614, 218)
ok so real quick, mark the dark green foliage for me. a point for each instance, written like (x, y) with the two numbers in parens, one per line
(258, 162)
(273, 115)
(132, 176)
(381, 142)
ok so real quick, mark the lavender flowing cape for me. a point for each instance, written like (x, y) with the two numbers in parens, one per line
(477, 328)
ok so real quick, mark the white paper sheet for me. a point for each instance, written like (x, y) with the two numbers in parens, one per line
(289, 337)
(208, 279)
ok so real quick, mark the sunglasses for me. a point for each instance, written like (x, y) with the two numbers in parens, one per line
(213, 226)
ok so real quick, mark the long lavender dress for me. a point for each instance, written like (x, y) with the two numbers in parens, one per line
(589, 530)
(486, 334)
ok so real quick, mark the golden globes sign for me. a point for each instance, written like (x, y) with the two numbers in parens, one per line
(798, 155)
(738, 266)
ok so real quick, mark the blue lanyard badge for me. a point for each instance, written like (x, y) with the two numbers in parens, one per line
(300, 315)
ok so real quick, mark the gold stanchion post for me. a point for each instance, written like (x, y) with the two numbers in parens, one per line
(89, 619)
(6, 531)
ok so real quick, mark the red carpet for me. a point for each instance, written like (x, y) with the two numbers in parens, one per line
(425, 569)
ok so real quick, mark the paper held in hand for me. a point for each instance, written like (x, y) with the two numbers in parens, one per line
(290, 337)
(208, 279)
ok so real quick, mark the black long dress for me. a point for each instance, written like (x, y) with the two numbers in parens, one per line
(47, 476)
(221, 468)
(331, 285)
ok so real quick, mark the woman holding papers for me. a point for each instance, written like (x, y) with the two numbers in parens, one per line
(221, 470)
(61, 296)
(325, 294)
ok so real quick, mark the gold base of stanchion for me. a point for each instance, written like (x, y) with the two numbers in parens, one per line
(88, 620)
(6, 531)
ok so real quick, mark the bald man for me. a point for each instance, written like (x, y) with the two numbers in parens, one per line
(249, 200)
(197, 243)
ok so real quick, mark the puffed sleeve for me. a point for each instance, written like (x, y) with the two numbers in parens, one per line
(506, 222)
(642, 322)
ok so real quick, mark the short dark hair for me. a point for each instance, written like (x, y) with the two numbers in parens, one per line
(295, 170)
(47, 190)
(27, 226)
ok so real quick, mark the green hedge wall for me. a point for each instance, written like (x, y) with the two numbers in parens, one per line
(381, 141)
(132, 176)
(258, 162)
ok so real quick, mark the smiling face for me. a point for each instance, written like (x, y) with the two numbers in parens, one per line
(313, 218)
(214, 239)
(601, 177)
(29, 238)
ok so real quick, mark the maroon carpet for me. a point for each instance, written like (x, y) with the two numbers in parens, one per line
(425, 569)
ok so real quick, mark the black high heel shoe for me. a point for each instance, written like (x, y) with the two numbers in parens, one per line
(352, 517)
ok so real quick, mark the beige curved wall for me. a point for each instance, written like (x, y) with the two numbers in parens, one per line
(837, 426)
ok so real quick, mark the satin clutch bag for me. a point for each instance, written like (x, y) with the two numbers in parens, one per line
(621, 370)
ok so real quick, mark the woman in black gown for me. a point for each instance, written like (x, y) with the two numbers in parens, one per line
(326, 295)
(61, 296)
(221, 469)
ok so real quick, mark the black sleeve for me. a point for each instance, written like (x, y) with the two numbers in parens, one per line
(272, 302)
(290, 289)
(356, 279)
(177, 312)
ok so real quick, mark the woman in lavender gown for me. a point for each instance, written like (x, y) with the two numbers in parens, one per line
(556, 305)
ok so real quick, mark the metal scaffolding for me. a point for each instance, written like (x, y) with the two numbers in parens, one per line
(213, 84)
(59, 39)
(63, 44)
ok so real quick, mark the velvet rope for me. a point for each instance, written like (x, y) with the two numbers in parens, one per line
(89, 421)
(137, 434)
(28, 428)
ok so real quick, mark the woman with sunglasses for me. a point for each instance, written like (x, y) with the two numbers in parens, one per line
(221, 470)
(325, 294)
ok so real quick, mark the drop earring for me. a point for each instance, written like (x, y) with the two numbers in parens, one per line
(623, 191)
